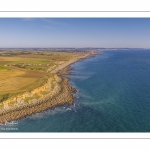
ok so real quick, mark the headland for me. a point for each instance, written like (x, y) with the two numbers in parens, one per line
(51, 90)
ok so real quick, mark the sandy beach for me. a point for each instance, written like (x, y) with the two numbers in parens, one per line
(63, 95)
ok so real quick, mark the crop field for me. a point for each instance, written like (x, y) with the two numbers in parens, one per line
(24, 70)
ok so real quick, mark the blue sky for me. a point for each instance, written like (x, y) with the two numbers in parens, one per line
(74, 32)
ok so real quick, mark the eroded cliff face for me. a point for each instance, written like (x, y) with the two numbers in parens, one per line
(49, 89)
(60, 95)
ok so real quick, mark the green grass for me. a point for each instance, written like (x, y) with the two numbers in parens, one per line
(28, 88)
(32, 64)
(38, 83)
(27, 99)
(4, 97)
(30, 61)
(39, 68)
(3, 68)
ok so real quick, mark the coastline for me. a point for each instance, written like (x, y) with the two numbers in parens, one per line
(64, 96)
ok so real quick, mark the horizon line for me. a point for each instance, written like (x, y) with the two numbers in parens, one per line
(73, 47)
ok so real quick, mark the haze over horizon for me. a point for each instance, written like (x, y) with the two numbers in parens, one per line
(74, 32)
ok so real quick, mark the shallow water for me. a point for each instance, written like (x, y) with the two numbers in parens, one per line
(112, 96)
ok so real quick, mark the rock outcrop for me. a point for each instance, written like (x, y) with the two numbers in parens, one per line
(34, 96)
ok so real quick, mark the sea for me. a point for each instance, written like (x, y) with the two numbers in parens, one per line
(113, 95)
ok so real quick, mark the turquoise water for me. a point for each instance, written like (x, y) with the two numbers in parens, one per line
(113, 95)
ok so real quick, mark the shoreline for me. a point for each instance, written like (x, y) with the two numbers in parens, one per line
(63, 97)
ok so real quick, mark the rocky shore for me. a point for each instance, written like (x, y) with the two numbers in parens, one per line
(63, 97)
(63, 94)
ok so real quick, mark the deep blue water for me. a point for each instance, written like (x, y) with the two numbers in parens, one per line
(113, 96)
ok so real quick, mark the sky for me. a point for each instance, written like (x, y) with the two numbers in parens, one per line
(74, 32)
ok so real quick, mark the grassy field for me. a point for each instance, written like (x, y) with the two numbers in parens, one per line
(22, 71)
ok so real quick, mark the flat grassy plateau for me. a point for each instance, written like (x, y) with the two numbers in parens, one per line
(24, 70)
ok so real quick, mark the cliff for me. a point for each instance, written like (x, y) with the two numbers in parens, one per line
(50, 88)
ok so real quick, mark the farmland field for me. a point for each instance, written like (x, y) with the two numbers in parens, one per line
(25, 70)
